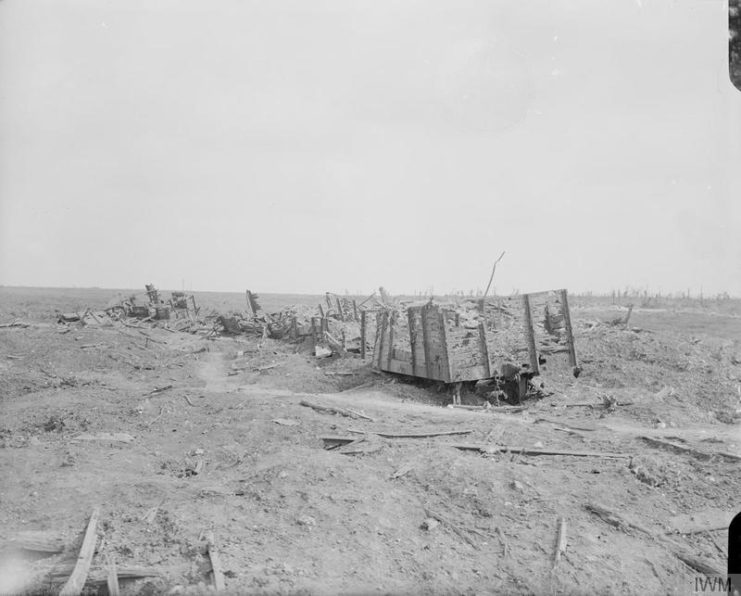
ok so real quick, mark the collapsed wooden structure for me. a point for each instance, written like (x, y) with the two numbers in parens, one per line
(503, 337)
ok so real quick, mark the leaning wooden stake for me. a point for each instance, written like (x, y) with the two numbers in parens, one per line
(560, 541)
(76, 581)
(491, 278)
(112, 579)
(218, 574)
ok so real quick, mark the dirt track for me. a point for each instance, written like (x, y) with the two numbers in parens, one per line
(289, 516)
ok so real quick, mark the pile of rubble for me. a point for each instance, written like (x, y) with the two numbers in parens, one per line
(332, 328)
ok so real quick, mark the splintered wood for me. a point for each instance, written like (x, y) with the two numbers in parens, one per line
(76, 581)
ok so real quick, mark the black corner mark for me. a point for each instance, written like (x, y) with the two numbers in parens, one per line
(734, 42)
(734, 551)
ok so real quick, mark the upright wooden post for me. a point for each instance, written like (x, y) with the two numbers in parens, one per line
(484, 348)
(530, 331)
(392, 320)
(362, 334)
(426, 340)
(447, 373)
(339, 308)
(355, 310)
(412, 339)
(569, 331)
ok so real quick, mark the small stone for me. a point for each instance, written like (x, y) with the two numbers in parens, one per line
(430, 524)
(538, 445)
(517, 485)
(306, 520)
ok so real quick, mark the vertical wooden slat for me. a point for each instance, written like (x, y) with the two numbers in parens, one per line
(313, 331)
(392, 320)
(339, 308)
(355, 310)
(362, 334)
(569, 331)
(484, 349)
(447, 372)
(412, 339)
(380, 333)
(530, 334)
(426, 341)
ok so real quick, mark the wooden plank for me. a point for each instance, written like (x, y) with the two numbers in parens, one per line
(363, 322)
(447, 372)
(339, 308)
(216, 571)
(569, 330)
(412, 339)
(76, 581)
(484, 349)
(355, 310)
(426, 341)
(530, 334)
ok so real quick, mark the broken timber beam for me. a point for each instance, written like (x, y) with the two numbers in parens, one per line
(689, 450)
(76, 582)
(527, 451)
(402, 435)
(332, 410)
(621, 523)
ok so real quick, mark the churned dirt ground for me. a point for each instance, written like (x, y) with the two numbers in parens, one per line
(174, 436)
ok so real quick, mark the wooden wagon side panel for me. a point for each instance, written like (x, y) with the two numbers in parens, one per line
(437, 365)
(467, 350)
(506, 332)
(552, 326)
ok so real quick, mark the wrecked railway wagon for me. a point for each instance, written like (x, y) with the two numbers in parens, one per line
(502, 338)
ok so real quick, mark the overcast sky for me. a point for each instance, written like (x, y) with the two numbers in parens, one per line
(306, 146)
